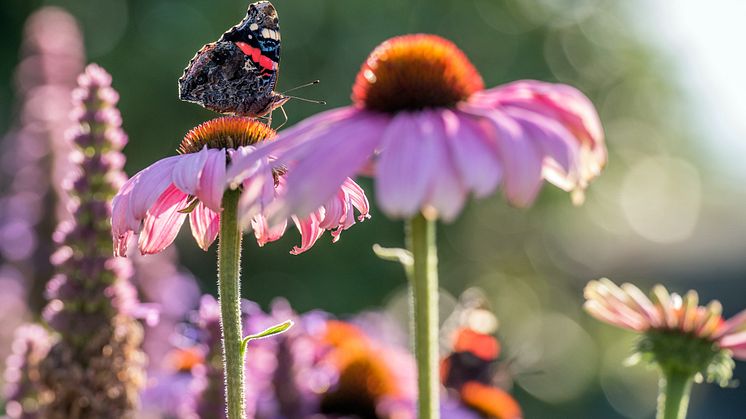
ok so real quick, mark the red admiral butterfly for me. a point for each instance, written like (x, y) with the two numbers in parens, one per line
(238, 73)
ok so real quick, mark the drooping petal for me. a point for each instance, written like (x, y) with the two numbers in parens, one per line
(521, 158)
(559, 148)
(446, 192)
(163, 221)
(310, 231)
(122, 225)
(205, 225)
(259, 191)
(188, 170)
(339, 212)
(405, 168)
(149, 184)
(357, 197)
(474, 155)
(264, 233)
(316, 174)
(212, 181)
(295, 140)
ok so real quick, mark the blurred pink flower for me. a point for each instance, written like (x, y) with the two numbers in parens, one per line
(156, 201)
(629, 308)
(424, 127)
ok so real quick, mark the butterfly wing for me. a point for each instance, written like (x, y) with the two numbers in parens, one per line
(238, 73)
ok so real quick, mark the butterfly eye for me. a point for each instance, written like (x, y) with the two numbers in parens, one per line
(201, 79)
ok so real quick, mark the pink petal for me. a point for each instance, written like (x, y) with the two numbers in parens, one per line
(559, 148)
(122, 225)
(310, 232)
(734, 323)
(163, 221)
(644, 305)
(557, 101)
(149, 184)
(406, 167)
(736, 343)
(264, 233)
(474, 154)
(213, 180)
(205, 225)
(188, 170)
(258, 191)
(446, 192)
(323, 163)
(296, 140)
(357, 198)
(521, 159)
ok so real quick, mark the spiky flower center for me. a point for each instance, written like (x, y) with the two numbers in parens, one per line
(413, 72)
(225, 132)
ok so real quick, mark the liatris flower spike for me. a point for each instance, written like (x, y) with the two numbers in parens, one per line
(686, 341)
(96, 369)
(425, 128)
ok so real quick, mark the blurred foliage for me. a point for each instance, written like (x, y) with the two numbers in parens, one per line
(650, 215)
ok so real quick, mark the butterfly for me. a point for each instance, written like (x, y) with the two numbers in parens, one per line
(237, 74)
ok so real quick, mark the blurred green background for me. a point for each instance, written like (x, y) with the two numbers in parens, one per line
(667, 209)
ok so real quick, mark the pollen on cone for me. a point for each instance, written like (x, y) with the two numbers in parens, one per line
(225, 132)
(412, 72)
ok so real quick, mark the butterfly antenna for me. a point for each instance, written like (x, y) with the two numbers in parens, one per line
(302, 99)
(311, 83)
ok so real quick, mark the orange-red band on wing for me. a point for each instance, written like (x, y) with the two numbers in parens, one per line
(256, 56)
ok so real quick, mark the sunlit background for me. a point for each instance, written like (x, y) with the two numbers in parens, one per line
(666, 77)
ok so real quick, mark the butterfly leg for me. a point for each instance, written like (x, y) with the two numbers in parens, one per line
(284, 114)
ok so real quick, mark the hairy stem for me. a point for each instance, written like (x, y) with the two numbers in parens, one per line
(423, 277)
(229, 290)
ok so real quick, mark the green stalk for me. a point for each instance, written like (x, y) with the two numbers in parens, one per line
(673, 397)
(229, 290)
(423, 281)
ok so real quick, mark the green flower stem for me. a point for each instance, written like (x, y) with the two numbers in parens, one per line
(673, 398)
(423, 281)
(229, 290)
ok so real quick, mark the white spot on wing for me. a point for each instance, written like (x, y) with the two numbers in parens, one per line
(253, 26)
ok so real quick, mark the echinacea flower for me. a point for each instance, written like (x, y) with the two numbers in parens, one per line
(667, 314)
(423, 125)
(156, 201)
(686, 341)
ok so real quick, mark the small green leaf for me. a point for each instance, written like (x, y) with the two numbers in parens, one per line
(274, 330)
(394, 254)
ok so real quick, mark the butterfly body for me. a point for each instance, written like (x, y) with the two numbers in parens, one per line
(238, 73)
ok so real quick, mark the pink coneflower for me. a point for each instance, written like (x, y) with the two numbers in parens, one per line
(629, 308)
(156, 201)
(434, 135)
(423, 126)
(686, 341)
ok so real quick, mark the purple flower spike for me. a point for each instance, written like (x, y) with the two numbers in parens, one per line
(22, 386)
(96, 369)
